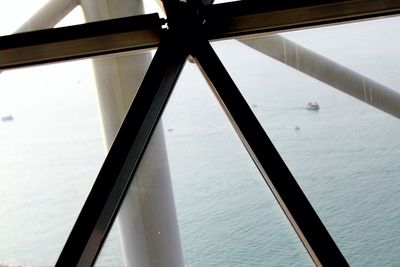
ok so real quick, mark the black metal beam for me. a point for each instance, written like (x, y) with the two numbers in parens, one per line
(85, 40)
(243, 18)
(118, 170)
(288, 193)
(228, 20)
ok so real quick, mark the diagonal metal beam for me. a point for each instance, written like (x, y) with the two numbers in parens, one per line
(118, 170)
(289, 195)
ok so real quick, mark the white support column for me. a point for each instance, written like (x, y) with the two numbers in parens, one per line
(49, 15)
(147, 219)
(329, 72)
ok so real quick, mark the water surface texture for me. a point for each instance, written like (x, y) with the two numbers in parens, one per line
(345, 156)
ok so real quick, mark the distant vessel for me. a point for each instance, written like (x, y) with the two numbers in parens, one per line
(312, 106)
(7, 118)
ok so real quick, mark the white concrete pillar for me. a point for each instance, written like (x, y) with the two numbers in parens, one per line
(147, 219)
(329, 72)
(49, 15)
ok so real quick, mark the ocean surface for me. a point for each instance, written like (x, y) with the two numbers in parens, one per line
(344, 156)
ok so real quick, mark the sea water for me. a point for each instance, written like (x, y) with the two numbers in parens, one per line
(345, 157)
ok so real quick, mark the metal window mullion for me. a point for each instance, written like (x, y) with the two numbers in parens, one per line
(136, 33)
(246, 18)
(122, 161)
(288, 193)
(228, 20)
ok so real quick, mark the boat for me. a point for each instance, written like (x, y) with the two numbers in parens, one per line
(7, 118)
(312, 106)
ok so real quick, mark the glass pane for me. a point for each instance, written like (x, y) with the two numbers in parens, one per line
(22, 16)
(111, 252)
(51, 151)
(345, 154)
(19, 16)
(226, 214)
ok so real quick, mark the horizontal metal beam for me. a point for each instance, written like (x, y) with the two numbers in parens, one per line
(228, 20)
(79, 41)
(244, 18)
